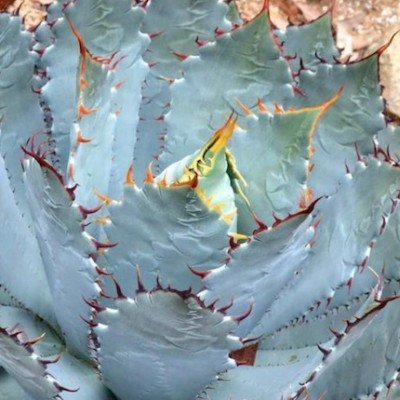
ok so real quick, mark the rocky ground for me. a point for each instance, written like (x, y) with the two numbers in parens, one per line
(362, 26)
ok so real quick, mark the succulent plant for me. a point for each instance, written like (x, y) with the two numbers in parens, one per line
(268, 214)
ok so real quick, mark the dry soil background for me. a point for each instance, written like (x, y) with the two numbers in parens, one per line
(362, 26)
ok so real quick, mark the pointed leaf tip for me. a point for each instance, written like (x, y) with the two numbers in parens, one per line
(81, 139)
(149, 178)
(200, 274)
(244, 315)
(129, 180)
(383, 48)
(141, 288)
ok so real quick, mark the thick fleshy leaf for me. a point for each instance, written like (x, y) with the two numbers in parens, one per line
(32, 326)
(314, 331)
(176, 28)
(337, 378)
(233, 14)
(345, 225)
(312, 43)
(349, 221)
(192, 203)
(244, 64)
(10, 389)
(65, 250)
(328, 371)
(260, 382)
(389, 141)
(7, 299)
(258, 270)
(314, 326)
(17, 357)
(20, 256)
(20, 112)
(187, 234)
(60, 92)
(163, 344)
(36, 365)
(175, 31)
(351, 122)
(276, 172)
(385, 257)
(104, 47)
(208, 171)
(77, 374)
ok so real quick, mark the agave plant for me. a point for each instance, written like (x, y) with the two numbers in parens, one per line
(177, 185)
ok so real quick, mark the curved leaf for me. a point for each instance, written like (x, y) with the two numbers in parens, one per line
(20, 255)
(29, 371)
(187, 234)
(273, 157)
(163, 344)
(192, 203)
(258, 270)
(238, 65)
(175, 31)
(65, 250)
(351, 122)
(77, 374)
(327, 372)
(20, 112)
(345, 225)
(336, 376)
(35, 364)
(32, 326)
(102, 77)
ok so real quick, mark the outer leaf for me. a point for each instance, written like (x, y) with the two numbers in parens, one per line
(60, 92)
(34, 366)
(385, 257)
(314, 329)
(174, 30)
(389, 141)
(350, 238)
(327, 373)
(379, 363)
(313, 326)
(16, 358)
(32, 326)
(163, 344)
(7, 299)
(65, 249)
(20, 256)
(20, 112)
(350, 221)
(258, 383)
(237, 65)
(233, 12)
(76, 374)
(105, 48)
(260, 269)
